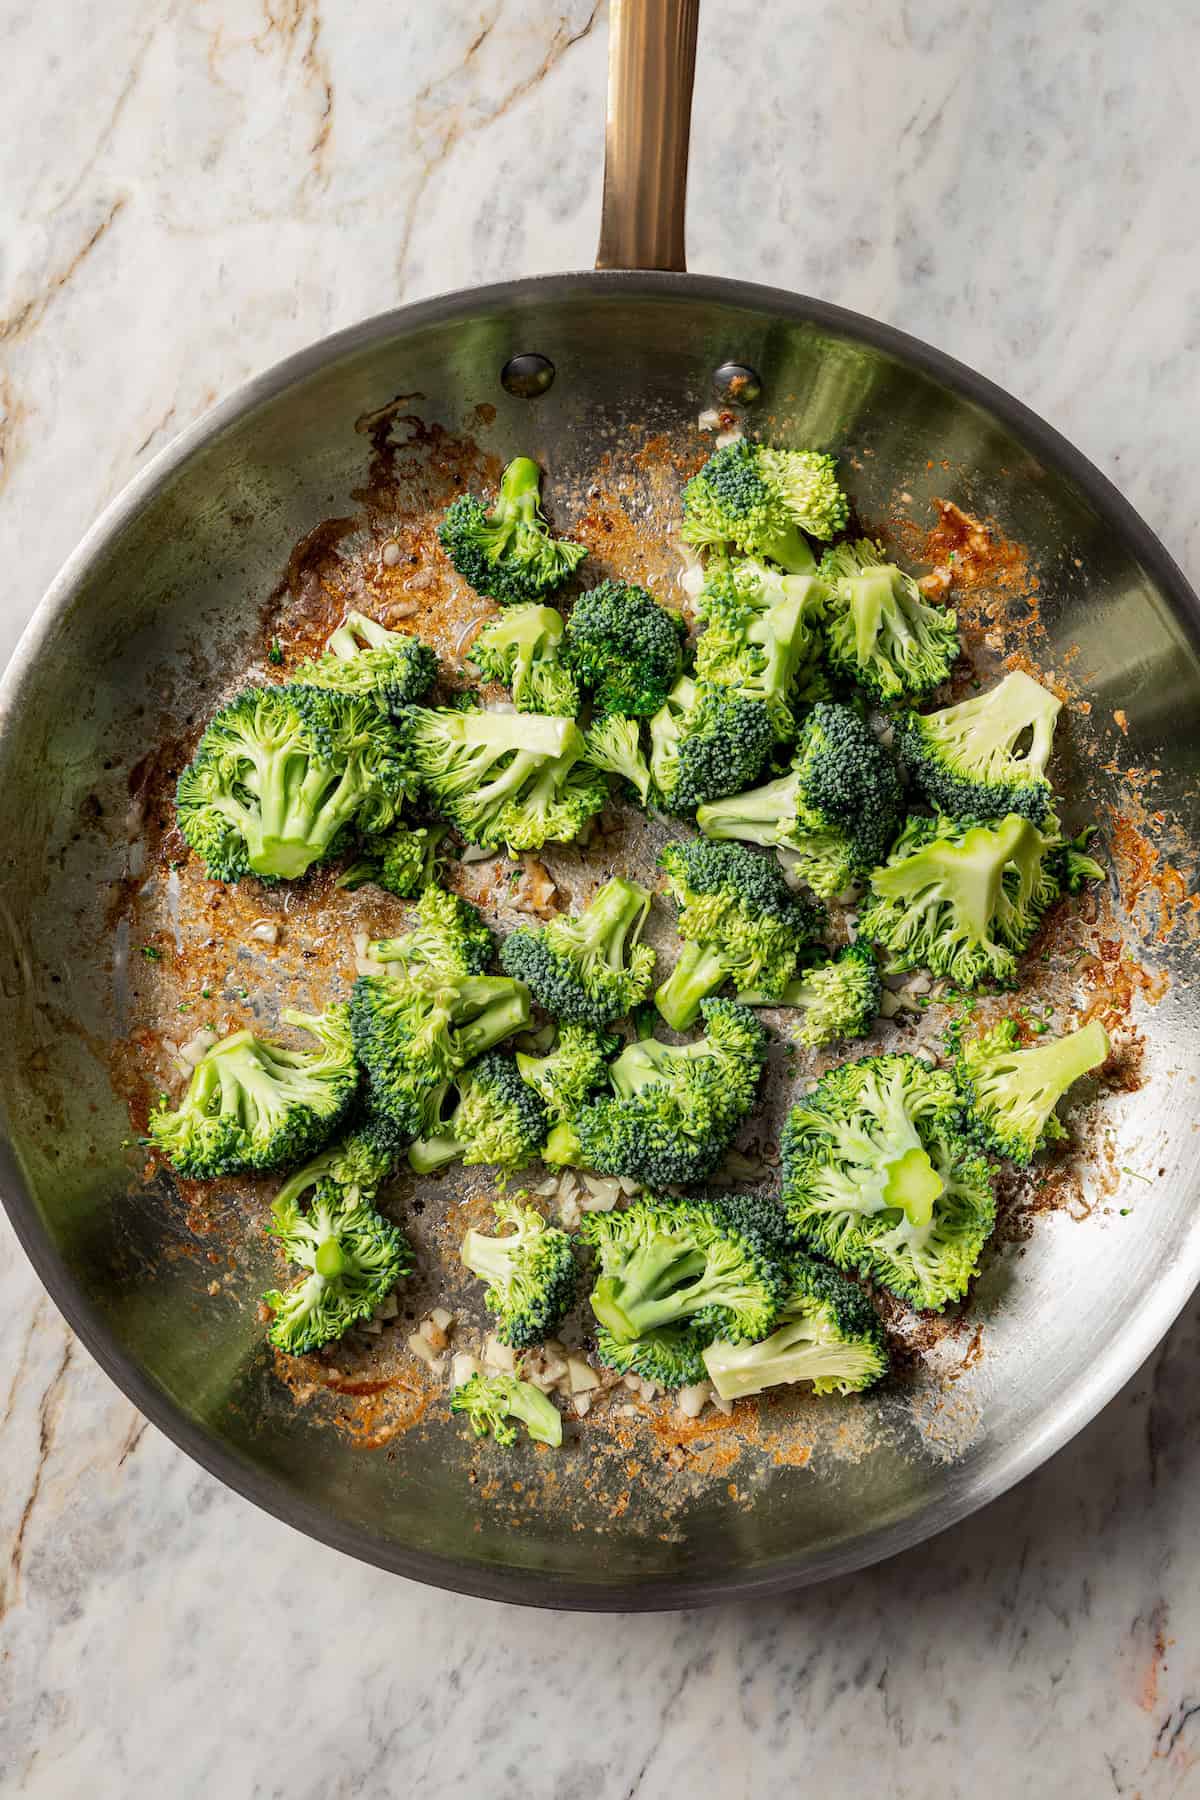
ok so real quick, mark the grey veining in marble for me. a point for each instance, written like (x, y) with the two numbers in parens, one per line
(190, 191)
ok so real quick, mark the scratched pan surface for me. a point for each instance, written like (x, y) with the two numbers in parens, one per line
(169, 602)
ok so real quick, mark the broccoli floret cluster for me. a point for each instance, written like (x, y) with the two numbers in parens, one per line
(706, 742)
(827, 1333)
(570, 1073)
(488, 1114)
(520, 649)
(587, 968)
(878, 1177)
(253, 1105)
(1010, 1094)
(356, 1165)
(614, 745)
(762, 638)
(492, 1402)
(739, 922)
(839, 997)
(354, 1257)
(672, 1355)
(836, 809)
(450, 934)
(880, 631)
(507, 552)
(626, 649)
(402, 861)
(987, 756)
(760, 501)
(530, 1271)
(363, 657)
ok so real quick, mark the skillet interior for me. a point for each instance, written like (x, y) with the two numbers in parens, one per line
(169, 599)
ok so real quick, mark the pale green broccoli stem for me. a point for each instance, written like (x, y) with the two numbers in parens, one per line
(802, 1348)
(520, 491)
(698, 973)
(562, 1148)
(655, 1273)
(504, 1008)
(765, 815)
(871, 594)
(1034, 1080)
(616, 912)
(913, 1184)
(345, 640)
(790, 549)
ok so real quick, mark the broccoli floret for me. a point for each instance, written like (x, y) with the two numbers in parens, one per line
(530, 1273)
(282, 773)
(880, 631)
(613, 745)
(760, 500)
(496, 1118)
(490, 1401)
(671, 1355)
(827, 1333)
(507, 553)
(521, 650)
(1010, 1093)
(505, 779)
(625, 648)
(878, 1177)
(839, 997)
(959, 899)
(716, 1264)
(587, 968)
(450, 935)
(414, 1031)
(761, 638)
(1070, 860)
(363, 657)
(706, 742)
(739, 922)
(404, 861)
(572, 1071)
(836, 808)
(255, 1105)
(674, 1108)
(354, 1257)
(967, 759)
(356, 1165)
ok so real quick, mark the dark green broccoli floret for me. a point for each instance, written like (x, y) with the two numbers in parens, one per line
(674, 1108)
(495, 1118)
(625, 648)
(280, 776)
(587, 968)
(507, 553)
(403, 861)
(880, 630)
(521, 650)
(357, 1164)
(530, 1272)
(836, 808)
(1070, 860)
(760, 500)
(739, 922)
(959, 899)
(761, 638)
(839, 997)
(490, 1401)
(716, 1264)
(878, 1177)
(354, 1257)
(613, 744)
(973, 760)
(505, 779)
(363, 657)
(572, 1071)
(450, 935)
(671, 1355)
(1010, 1093)
(706, 742)
(827, 1333)
(253, 1105)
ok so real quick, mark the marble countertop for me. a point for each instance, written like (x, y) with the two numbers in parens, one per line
(189, 192)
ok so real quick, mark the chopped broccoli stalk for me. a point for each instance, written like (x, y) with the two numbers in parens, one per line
(1011, 1094)
(403, 861)
(492, 1401)
(354, 1259)
(959, 899)
(363, 657)
(761, 638)
(836, 808)
(613, 746)
(254, 1105)
(838, 997)
(672, 1355)
(880, 631)
(587, 969)
(986, 756)
(739, 922)
(505, 779)
(706, 742)
(282, 774)
(674, 1108)
(827, 1333)
(530, 1272)
(760, 501)
(625, 648)
(508, 553)
(520, 649)
(450, 935)
(715, 1264)
(878, 1177)
(497, 1118)
(571, 1072)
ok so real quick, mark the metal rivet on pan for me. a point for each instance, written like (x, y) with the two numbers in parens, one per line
(737, 384)
(526, 376)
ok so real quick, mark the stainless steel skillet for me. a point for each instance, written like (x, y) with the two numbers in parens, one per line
(163, 600)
